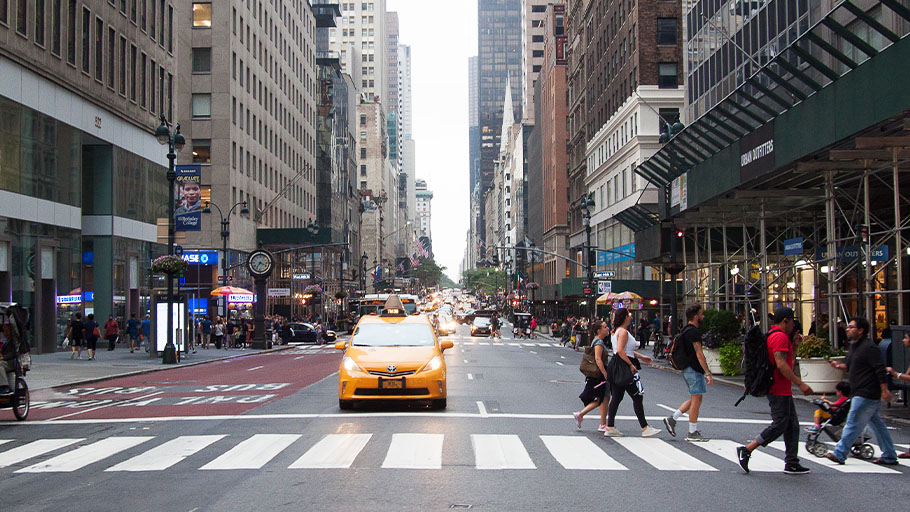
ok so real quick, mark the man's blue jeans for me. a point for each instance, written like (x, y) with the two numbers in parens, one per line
(864, 411)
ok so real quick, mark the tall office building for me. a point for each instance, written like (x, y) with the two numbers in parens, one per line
(424, 209)
(392, 87)
(533, 23)
(247, 85)
(473, 126)
(82, 177)
(363, 25)
(499, 60)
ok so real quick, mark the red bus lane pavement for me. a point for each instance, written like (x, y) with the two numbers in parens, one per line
(232, 386)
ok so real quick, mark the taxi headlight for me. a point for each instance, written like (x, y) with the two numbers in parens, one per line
(348, 364)
(434, 364)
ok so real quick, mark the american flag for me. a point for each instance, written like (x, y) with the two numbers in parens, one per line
(414, 261)
(422, 249)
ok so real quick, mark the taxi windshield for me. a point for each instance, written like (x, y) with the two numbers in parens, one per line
(393, 335)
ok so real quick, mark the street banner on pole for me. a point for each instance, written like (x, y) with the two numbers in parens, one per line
(188, 213)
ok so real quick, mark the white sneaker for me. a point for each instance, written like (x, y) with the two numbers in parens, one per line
(612, 432)
(650, 431)
(577, 420)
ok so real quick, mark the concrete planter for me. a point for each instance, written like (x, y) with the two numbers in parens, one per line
(712, 357)
(543, 329)
(819, 375)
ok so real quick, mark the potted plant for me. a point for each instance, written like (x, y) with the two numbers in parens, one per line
(341, 294)
(731, 357)
(813, 355)
(711, 342)
(169, 264)
(313, 289)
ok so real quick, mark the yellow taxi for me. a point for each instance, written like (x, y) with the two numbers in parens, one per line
(392, 356)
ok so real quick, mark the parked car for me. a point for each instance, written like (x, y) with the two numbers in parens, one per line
(306, 333)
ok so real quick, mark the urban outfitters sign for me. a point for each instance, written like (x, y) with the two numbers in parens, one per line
(757, 153)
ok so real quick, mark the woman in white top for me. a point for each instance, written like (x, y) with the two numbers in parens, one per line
(624, 345)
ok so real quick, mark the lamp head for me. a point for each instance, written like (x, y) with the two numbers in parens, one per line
(162, 133)
(244, 209)
(664, 137)
(677, 127)
(179, 140)
(207, 208)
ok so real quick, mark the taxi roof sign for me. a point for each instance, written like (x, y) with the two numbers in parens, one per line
(394, 307)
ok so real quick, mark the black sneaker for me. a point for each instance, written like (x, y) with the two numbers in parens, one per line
(743, 455)
(795, 469)
(670, 423)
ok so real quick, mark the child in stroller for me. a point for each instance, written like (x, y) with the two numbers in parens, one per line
(833, 428)
(825, 406)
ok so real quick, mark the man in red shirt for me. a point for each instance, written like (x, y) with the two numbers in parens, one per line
(782, 344)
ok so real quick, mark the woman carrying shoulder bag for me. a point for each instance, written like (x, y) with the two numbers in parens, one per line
(596, 388)
(623, 370)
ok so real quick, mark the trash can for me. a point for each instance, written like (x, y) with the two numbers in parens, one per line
(581, 339)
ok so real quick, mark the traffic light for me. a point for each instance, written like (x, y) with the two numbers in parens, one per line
(303, 302)
(680, 233)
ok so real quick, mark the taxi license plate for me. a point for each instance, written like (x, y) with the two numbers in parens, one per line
(391, 384)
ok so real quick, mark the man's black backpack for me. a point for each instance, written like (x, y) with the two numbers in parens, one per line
(759, 370)
(676, 354)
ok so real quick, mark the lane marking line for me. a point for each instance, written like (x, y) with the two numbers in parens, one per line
(106, 405)
(334, 451)
(301, 357)
(671, 409)
(415, 451)
(575, 452)
(560, 364)
(482, 408)
(470, 377)
(255, 368)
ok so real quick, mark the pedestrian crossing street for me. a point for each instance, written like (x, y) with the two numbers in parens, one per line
(222, 452)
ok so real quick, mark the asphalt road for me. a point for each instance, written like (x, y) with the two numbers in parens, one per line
(265, 433)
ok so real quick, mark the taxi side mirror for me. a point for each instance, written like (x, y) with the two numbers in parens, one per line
(340, 345)
(446, 345)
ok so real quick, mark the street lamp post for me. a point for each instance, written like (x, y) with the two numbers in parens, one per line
(363, 271)
(533, 256)
(375, 281)
(587, 202)
(175, 142)
(225, 233)
(313, 229)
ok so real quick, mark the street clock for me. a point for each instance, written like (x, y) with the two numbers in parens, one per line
(260, 263)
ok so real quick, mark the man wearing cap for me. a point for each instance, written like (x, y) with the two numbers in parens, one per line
(782, 344)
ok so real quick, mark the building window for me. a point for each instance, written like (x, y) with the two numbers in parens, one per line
(666, 30)
(363, 185)
(123, 65)
(111, 49)
(161, 23)
(666, 78)
(202, 151)
(99, 50)
(143, 76)
(202, 60)
(363, 170)
(39, 22)
(134, 61)
(170, 28)
(71, 33)
(152, 79)
(4, 12)
(22, 17)
(363, 119)
(143, 10)
(363, 152)
(133, 11)
(202, 15)
(202, 105)
(152, 18)
(170, 96)
(56, 20)
(86, 39)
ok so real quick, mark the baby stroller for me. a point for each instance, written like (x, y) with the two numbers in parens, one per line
(833, 428)
(16, 360)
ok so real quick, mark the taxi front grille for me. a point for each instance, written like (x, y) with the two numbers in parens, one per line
(392, 374)
(391, 392)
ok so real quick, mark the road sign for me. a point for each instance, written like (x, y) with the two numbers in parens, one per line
(604, 275)
(279, 292)
(588, 291)
(604, 287)
(301, 277)
(178, 250)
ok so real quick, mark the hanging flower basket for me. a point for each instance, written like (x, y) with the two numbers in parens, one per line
(313, 289)
(532, 286)
(341, 294)
(169, 265)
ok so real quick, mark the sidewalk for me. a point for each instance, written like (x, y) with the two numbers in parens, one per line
(57, 369)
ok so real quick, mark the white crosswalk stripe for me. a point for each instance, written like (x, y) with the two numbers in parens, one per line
(760, 461)
(166, 455)
(851, 465)
(494, 451)
(253, 453)
(89, 454)
(33, 449)
(662, 455)
(407, 451)
(334, 451)
(576, 452)
(415, 451)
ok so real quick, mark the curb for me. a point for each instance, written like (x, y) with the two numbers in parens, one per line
(162, 368)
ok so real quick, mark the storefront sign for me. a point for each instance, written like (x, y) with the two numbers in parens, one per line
(188, 191)
(757, 152)
(69, 299)
(852, 253)
(793, 246)
(604, 287)
(616, 255)
(279, 292)
(241, 298)
(301, 277)
(201, 257)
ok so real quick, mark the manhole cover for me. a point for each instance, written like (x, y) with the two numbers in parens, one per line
(566, 382)
(460, 506)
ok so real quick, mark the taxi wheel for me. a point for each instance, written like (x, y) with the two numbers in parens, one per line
(345, 405)
(439, 403)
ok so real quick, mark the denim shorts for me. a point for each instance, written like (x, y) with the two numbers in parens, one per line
(696, 381)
